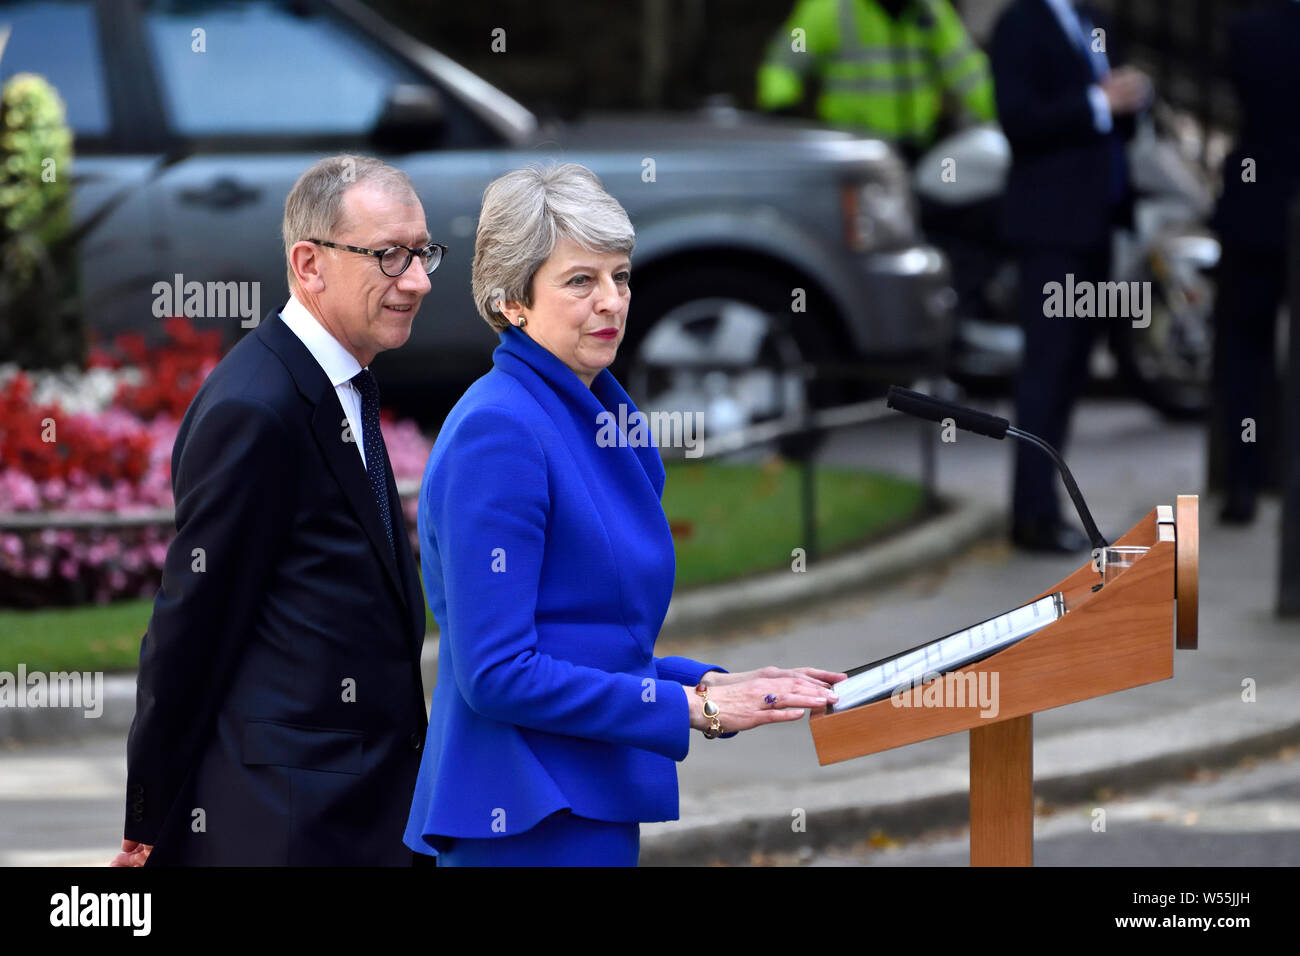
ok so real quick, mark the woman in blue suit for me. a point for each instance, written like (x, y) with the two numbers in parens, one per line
(548, 565)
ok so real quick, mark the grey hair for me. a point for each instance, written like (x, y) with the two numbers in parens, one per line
(314, 207)
(525, 213)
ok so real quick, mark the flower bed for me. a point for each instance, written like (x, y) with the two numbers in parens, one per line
(85, 468)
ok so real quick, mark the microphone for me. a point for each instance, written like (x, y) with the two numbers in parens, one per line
(982, 423)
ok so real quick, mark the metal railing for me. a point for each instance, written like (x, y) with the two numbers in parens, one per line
(803, 434)
(116, 521)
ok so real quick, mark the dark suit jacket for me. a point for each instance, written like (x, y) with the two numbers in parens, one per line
(1058, 189)
(279, 689)
(1264, 63)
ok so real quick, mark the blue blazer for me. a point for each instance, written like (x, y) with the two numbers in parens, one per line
(548, 565)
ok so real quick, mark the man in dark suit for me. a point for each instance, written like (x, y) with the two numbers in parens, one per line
(1063, 109)
(1260, 183)
(279, 708)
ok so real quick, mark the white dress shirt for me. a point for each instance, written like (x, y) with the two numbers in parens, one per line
(339, 364)
(1102, 120)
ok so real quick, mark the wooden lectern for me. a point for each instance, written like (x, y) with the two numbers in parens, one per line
(1109, 639)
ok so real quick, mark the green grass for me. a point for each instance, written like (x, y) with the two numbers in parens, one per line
(92, 637)
(728, 521)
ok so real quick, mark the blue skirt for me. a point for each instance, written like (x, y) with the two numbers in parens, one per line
(562, 839)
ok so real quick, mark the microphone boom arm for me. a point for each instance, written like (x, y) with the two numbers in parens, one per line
(1089, 526)
(982, 423)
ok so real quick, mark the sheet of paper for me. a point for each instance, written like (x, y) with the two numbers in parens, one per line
(879, 680)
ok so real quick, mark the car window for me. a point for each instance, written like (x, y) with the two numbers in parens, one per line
(60, 41)
(266, 68)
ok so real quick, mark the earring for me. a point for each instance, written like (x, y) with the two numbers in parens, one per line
(523, 320)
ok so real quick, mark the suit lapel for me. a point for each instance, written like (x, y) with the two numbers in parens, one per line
(611, 395)
(1075, 54)
(329, 425)
(624, 481)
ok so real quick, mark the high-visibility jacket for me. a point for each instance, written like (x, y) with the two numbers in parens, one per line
(879, 74)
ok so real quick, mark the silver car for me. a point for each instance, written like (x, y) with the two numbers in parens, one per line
(776, 263)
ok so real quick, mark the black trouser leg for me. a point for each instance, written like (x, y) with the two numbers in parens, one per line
(1053, 372)
(1251, 284)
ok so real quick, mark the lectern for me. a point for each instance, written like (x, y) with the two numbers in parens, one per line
(1111, 637)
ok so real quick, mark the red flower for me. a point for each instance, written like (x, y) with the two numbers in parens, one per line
(171, 373)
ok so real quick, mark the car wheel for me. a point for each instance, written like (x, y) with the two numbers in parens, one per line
(722, 344)
(1168, 363)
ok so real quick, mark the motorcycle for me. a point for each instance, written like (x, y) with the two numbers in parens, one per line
(1167, 363)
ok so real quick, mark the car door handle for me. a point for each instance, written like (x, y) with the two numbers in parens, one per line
(222, 193)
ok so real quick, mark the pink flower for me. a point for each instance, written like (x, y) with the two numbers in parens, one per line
(54, 490)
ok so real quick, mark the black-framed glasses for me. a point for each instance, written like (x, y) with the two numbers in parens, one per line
(394, 260)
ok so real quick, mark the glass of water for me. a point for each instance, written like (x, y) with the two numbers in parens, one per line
(1118, 559)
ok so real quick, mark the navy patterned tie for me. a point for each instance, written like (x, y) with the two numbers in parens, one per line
(365, 383)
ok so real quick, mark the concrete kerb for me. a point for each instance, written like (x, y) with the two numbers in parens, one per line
(1073, 767)
(48, 724)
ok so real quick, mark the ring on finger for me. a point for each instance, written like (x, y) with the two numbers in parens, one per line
(770, 700)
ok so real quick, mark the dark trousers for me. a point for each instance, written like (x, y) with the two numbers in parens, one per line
(1053, 371)
(1251, 286)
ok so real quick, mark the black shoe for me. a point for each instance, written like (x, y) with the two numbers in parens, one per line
(1238, 508)
(1054, 537)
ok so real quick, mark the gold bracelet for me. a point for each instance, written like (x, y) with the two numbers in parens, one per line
(711, 712)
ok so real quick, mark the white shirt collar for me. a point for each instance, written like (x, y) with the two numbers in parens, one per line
(1067, 14)
(339, 364)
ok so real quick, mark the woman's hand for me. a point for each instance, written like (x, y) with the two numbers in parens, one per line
(816, 675)
(746, 701)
